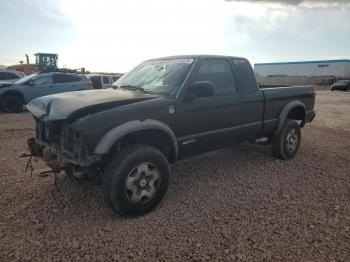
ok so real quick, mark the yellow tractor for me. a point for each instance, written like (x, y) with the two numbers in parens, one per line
(45, 62)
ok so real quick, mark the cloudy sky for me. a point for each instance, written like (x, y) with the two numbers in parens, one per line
(111, 35)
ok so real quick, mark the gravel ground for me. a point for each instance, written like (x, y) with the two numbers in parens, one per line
(236, 204)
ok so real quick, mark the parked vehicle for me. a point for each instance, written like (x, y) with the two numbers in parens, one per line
(115, 77)
(343, 85)
(14, 96)
(10, 75)
(101, 81)
(164, 110)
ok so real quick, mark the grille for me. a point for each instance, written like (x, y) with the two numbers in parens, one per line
(68, 138)
(39, 130)
(48, 132)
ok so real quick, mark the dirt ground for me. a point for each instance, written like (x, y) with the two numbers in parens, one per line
(236, 204)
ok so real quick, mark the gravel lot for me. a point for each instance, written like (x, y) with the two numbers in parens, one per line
(236, 204)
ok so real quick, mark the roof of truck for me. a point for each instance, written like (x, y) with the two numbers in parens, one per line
(306, 62)
(195, 57)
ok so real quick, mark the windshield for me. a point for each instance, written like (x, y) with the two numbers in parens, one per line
(157, 76)
(25, 79)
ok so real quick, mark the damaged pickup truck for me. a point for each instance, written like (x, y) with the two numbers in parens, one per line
(164, 110)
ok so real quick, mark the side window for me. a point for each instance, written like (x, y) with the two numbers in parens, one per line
(217, 71)
(105, 80)
(245, 76)
(204, 68)
(65, 79)
(43, 80)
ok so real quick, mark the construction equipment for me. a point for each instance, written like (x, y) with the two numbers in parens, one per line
(46, 62)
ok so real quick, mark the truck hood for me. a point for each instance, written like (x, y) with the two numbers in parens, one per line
(65, 105)
(5, 84)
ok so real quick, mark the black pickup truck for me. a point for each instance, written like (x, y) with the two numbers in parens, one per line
(164, 110)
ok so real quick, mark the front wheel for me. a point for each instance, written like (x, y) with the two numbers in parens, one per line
(135, 180)
(12, 103)
(286, 144)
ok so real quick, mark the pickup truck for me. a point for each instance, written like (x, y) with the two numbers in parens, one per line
(164, 110)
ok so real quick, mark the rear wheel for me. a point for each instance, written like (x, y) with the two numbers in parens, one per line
(286, 144)
(135, 180)
(12, 103)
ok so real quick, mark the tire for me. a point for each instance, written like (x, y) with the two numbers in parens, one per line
(286, 144)
(135, 171)
(12, 103)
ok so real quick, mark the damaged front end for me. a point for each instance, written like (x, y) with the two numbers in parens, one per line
(62, 148)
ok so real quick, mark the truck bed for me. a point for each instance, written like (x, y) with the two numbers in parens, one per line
(277, 98)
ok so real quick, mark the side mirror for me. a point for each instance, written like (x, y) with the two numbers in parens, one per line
(30, 82)
(199, 89)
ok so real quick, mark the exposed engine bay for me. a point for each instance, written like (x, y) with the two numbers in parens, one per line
(62, 148)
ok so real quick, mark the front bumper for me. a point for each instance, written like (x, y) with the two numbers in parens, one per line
(58, 159)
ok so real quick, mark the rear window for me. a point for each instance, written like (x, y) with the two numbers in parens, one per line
(7, 76)
(66, 78)
(245, 76)
(105, 80)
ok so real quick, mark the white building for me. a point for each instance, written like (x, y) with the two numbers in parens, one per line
(337, 68)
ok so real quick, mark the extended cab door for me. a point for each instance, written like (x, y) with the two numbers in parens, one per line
(205, 123)
(252, 100)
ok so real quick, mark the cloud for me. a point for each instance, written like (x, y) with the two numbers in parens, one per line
(288, 33)
(296, 2)
(127, 32)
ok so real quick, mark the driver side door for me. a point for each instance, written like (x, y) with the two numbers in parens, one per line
(207, 123)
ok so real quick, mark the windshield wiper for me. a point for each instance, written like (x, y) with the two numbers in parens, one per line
(131, 87)
(139, 88)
